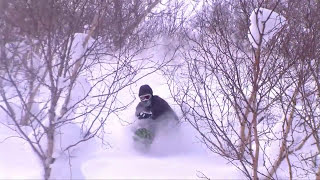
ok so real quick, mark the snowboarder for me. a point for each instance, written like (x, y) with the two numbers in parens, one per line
(152, 106)
(152, 112)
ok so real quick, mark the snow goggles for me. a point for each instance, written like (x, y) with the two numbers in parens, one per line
(145, 97)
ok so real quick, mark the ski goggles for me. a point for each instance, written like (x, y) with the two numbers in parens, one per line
(145, 97)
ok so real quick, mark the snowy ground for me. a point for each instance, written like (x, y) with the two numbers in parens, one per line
(174, 155)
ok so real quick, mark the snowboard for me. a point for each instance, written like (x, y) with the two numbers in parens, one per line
(143, 135)
(143, 132)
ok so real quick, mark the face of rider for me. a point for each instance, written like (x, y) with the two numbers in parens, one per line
(145, 94)
(146, 99)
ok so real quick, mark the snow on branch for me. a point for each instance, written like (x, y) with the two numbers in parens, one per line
(264, 24)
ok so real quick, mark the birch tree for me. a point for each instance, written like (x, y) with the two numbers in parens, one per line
(65, 62)
(251, 85)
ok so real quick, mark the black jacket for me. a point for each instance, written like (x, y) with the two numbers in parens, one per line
(157, 107)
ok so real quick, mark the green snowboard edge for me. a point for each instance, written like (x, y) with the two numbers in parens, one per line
(143, 135)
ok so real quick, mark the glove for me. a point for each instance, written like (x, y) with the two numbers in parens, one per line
(144, 115)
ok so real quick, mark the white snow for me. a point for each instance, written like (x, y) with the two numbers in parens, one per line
(17, 160)
(176, 154)
(79, 46)
(265, 23)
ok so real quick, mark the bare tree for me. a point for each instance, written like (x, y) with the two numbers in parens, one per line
(248, 98)
(64, 62)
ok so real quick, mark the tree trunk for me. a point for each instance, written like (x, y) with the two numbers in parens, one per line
(289, 120)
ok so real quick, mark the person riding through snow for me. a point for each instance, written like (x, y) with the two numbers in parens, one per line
(152, 106)
(155, 112)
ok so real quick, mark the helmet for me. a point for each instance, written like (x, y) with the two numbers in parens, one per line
(145, 89)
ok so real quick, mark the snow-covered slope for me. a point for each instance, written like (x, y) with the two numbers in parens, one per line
(177, 154)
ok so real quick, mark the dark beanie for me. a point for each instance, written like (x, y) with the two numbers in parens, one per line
(145, 89)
